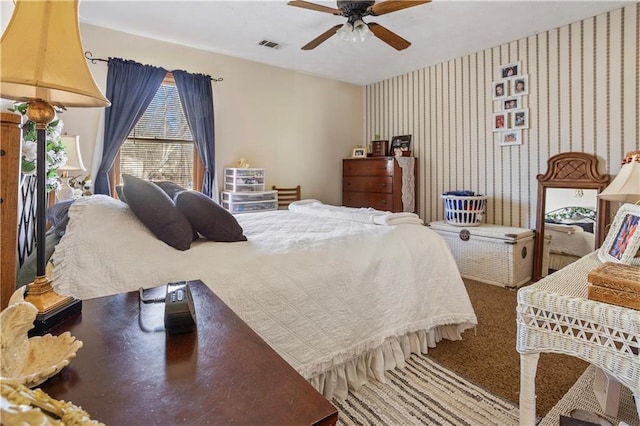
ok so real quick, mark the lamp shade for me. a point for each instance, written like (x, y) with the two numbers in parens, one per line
(42, 56)
(74, 159)
(625, 188)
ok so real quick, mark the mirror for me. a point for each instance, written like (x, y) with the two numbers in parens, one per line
(570, 219)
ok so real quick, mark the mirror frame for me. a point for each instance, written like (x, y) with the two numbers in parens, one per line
(569, 170)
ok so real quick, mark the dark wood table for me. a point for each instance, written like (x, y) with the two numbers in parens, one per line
(222, 373)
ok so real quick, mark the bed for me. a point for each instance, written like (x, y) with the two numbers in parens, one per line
(342, 294)
(571, 233)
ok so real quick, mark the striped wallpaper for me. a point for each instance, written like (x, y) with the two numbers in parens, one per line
(583, 96)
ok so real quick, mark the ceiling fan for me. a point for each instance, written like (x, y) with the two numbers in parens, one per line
(356, 29)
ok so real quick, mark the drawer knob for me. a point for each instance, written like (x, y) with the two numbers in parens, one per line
(383, 185)
(384, 201)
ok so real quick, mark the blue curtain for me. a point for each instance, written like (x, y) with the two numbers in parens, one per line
(130, 88)
(196, 96)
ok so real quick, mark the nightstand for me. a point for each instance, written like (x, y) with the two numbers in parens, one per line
(130, 371)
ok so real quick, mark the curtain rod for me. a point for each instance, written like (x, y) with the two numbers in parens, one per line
(93, 60)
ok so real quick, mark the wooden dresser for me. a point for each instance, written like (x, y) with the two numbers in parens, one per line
(373, 182)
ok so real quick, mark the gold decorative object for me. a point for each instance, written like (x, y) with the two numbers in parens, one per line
(24, 406)
(31, 361)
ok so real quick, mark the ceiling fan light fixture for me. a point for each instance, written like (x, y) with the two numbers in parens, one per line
(361, 30)
(345, 32)
(356, 32)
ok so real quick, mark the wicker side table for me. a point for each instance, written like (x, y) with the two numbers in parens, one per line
(554, 315)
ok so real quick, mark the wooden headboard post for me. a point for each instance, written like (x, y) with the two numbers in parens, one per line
(10, 137)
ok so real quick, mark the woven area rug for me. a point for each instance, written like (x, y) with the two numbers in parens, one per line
(424, 393)
(581, 396)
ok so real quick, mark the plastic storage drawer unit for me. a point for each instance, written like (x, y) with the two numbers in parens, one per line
(246, 202)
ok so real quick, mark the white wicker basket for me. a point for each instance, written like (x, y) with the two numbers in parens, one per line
(464, 210)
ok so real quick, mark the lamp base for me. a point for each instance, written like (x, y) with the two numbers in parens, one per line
(66, 191)
(52, 307)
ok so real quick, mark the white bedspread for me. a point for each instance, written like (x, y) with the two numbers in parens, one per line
(340, 300)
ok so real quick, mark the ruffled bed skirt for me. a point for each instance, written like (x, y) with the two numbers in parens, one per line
(337, 381)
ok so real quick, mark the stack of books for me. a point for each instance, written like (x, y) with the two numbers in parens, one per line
(615, 283)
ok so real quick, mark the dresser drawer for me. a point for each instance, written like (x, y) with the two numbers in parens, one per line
(378, 201)
(368, 183)
(368, 167)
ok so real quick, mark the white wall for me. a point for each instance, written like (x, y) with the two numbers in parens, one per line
(297, 126)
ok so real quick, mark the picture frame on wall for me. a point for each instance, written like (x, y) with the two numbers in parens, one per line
(509, 70)
(359, 152)
(511, 137)
(500, 121)
(623, 239)
(519, 85)
(500, 89)
(403, 143)
(519, 118)
(510, 103)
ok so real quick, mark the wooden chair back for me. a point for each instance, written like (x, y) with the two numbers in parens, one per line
(287, 195)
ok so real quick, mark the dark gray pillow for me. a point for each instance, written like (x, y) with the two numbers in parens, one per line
(58, 216)
(120, 193)
(158, 212)
(171, 188)
(207, 217)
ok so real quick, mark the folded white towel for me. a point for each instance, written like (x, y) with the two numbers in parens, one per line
(396, 218)
(363, 214)
(296, 204)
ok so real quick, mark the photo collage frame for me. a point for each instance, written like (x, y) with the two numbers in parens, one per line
(511, 117)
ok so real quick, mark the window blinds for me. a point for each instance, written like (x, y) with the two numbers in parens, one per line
(160, 147)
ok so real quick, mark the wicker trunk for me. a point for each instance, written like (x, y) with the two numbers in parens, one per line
(493, 254)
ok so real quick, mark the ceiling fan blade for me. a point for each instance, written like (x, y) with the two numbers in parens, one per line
(389, 37)
(316, 7)
(393, 5)
(321, 38)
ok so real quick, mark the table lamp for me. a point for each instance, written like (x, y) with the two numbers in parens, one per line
(625, 188)
(73, 164)
(43, 64)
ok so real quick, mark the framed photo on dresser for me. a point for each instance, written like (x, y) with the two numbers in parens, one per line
(359, 152)
(401, 142)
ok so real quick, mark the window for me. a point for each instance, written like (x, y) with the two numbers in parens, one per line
(160, 146)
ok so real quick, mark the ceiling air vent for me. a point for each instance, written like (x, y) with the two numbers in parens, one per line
(271, 44)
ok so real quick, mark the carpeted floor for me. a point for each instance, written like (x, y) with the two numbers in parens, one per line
(487, 355)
